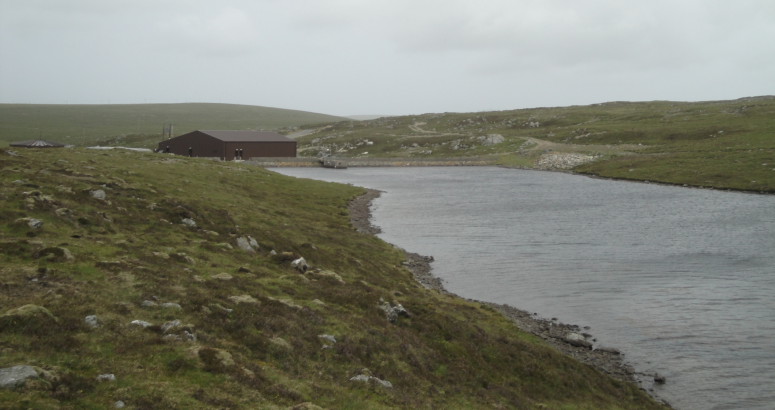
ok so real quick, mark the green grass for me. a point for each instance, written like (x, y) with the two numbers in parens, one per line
(139, 125)
(450, 354)
(720, 144)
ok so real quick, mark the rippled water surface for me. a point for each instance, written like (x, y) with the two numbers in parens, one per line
(681, 280)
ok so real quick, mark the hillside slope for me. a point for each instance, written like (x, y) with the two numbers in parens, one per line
(174, 276)
(139, 124)
(720, 144)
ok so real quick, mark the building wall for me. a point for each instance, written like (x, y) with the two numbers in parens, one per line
(201, 145)
(261, 149)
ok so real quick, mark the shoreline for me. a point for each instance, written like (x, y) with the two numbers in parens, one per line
(607, 360)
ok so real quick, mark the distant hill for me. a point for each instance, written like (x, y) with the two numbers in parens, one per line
(365, 117)
(139, 124)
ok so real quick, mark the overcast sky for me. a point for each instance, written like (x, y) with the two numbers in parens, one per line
(389, 57)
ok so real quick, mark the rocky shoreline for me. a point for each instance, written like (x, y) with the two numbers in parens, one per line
(568, 339)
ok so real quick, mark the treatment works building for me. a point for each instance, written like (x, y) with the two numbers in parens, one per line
(230, 145)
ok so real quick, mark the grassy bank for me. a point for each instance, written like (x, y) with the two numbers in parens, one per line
(255, 319)
(720, 144)
(139, 125)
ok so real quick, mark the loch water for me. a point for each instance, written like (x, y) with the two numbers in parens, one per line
(680, 280)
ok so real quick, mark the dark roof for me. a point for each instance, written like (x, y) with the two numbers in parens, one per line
(37, 144)
(247, 136)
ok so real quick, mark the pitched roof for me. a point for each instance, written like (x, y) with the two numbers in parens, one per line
(37, 144)
(247, 136)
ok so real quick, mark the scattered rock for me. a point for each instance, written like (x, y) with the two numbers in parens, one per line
(253, 242)
(182, 257)
(330, 338)
(162, 255)
(190, 336)
(140, 323)
(197, 278)
(658, 378)
(273, 253)
(224, 245)
(172, 338)
(92, 321)
(149, 303)
(244, 244)
(106, 378)
(562, 160)
(243, 270)
(212, 233)
(98, 194)
(306, 406)
(119, 404)
(300, 265)
(319, 302)
(289, 303)
(171, 305)
(189, 222)
(170, 325)
(223, 276)
(244, 299)
(491, 139)
(11, 377)
(610, 350)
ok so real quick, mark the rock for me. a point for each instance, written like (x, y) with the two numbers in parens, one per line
(92, 321)
(306, 406)
(300, 265)
(610, 350)
(328, 274)
(148, 303)
(366, 377)
(658, 378)
(171, 325)
(224, 245)
(273, 253)
(223, 357)
(119, 404)
(189, 222)
(243, 270)
(98, 194)
(162, 255)
(28, 312)
(319, 302)
(220, 308)
(579, 342)
(393, 311)
(56, 253)
(185, 258)
(330, 338)
(172, 338)
(223, 276)
(574, 336)
(31, 222)
(106, 378)
(198, 278)
(243, 299)
(63, 213)
(244, 244)
(491, 139)
(11, 377)
(281, 343)
(171, 305)
(253, 243)
(212, 233)
(289, 303)
(140, 323)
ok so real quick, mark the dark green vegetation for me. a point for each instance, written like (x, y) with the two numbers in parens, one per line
(139, 125)
(720, 144)
(131, 247)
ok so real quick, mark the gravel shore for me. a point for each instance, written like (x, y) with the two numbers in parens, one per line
(607, 360)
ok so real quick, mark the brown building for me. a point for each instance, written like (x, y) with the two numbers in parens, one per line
(228, 145)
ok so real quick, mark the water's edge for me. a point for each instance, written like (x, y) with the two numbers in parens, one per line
(606, 360)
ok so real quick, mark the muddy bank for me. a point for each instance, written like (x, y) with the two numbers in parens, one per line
(558, 335)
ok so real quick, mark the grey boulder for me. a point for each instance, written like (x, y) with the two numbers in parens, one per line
(11, 377)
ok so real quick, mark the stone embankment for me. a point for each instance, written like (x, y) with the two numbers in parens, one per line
(558, 160)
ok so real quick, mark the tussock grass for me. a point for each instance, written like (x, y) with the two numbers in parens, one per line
(132, 247)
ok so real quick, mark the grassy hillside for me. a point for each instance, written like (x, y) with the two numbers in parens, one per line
(255, 319)
(139, 125)
(723, 144)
